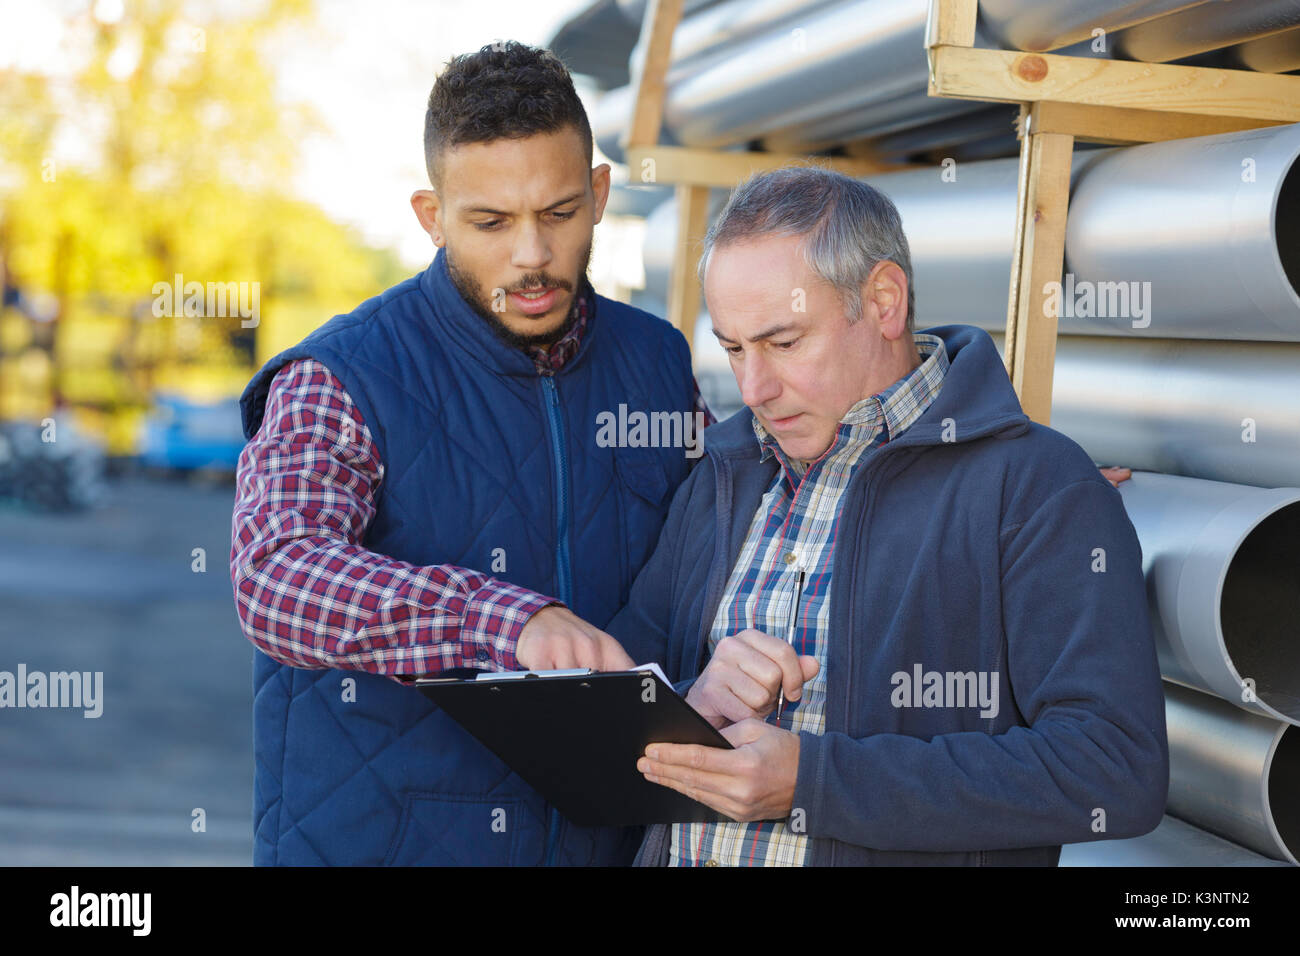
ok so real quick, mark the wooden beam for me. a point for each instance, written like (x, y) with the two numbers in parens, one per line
(1123, 126)
(1014, 77)
(951, 23)
(661, 17)
(684, 284)
(707, 167)
(1044, 196)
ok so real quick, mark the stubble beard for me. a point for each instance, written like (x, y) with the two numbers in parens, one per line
(472, 292)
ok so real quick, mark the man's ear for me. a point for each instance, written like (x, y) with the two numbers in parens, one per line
(885, 293)
(600, 188)
(428, 209)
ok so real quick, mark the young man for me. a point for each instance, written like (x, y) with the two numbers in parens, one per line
(919, 617)
(424, 490)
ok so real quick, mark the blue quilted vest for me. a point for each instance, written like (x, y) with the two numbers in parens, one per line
(485, 461)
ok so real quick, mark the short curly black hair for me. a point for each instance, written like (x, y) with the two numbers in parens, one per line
(506, 90)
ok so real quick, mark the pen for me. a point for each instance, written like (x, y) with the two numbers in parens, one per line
(794, 620)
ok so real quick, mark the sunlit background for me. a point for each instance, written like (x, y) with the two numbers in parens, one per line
(266, 150)
(272, 145)
(272, 142)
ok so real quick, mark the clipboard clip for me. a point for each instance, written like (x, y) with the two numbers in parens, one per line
(524, 675)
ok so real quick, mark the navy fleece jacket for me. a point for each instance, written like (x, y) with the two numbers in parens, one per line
(977, 545)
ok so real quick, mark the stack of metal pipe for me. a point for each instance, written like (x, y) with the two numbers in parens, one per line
(1179, 319)
(809, 75)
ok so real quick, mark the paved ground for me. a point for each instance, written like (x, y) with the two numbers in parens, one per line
(112, 590)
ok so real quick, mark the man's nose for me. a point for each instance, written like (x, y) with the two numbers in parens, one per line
(531, 251)
(757, 382)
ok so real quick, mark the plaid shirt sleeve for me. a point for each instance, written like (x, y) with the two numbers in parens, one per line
(307, 593)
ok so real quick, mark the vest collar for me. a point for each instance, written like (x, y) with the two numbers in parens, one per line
(462, 329)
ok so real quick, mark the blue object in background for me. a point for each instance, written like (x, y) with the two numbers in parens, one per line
(180, 433)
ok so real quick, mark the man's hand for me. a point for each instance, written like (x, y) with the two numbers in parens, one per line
(753, 782)
(1115, 474)
(555, 638)
(744, 676)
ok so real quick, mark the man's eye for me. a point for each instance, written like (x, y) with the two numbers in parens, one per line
(488, 225)
(562, 216)
(732, 349)
(786, 346)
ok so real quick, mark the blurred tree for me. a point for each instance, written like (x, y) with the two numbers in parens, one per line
(155, 146)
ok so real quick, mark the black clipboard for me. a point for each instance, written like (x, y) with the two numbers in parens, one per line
(576, 738)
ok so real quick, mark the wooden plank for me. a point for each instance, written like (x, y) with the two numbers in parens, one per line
(684, 285)
(1040, 254)
(1017, 244)
(706, 167)
(1122, 126)
(1014, 77)
(661, 19)
(951, 23)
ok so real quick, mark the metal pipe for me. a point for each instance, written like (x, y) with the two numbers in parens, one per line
(882, 118)
(998, 120)
(1279, 53)
(611, 115)
(726, 23)
(595, 42)
(1040, 25)
(1173, 843)
(810, 74)
(848, 56)
(1195, 238)
(960, 233)
(1222, 563)
(1188, 215)
(1233, 773)
(1209, 26)
(1222, 411)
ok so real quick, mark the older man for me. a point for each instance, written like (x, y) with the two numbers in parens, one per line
(921, 617)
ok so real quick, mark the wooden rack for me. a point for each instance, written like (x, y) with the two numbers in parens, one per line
(1062, 99)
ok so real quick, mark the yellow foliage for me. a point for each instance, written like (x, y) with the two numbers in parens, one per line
(183, 160)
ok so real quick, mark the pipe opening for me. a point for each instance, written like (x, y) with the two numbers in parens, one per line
(1260, 610)
(1286, 225)
(1284, 788)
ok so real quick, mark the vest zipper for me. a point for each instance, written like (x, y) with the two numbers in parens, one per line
(563, 582)
(562, 572)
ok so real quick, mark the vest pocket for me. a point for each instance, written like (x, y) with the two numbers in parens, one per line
(439, 829)
(643, 505)
(642, 472)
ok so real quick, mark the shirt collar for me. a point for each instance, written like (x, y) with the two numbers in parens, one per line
(888, 413)
(550, 360)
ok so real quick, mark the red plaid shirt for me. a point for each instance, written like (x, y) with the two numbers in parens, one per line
(308, 594)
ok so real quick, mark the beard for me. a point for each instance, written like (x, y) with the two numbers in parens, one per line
(474, 295)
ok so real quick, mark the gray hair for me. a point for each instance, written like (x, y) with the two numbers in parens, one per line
(849, 227)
